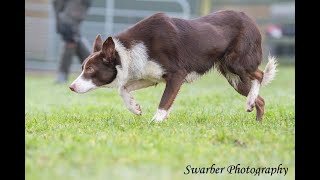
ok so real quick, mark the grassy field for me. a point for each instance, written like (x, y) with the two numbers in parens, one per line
(93, 135)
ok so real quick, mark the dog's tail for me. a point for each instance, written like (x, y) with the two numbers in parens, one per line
(270, 70)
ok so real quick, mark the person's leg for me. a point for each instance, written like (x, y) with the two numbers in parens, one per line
(82, 50)
(65, 62)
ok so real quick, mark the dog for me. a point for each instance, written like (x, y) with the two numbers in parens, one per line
(160, 48)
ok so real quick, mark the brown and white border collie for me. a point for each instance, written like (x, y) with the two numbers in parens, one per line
(176, 51)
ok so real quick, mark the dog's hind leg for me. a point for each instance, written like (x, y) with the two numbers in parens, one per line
(259, 107)
(253, 94)
(248, 85)
(256, 79)
(250, 89)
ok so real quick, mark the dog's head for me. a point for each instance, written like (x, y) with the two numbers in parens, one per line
(99, 68)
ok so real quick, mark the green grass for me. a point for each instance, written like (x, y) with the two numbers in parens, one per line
(93, 135)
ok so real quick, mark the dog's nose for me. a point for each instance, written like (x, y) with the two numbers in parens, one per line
(72, 87)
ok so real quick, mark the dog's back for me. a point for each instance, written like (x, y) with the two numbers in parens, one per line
(194, 44)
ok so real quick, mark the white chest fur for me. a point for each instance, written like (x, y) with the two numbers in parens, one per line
(135, 64)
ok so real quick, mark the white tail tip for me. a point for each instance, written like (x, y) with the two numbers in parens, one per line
(270, 70)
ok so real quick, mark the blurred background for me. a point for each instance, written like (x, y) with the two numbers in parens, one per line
(93, 136)
(43, 46)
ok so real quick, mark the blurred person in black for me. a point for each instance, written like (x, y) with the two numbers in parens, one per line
(69, 14)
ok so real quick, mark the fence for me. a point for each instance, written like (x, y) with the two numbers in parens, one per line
(107, 17)
(43, 44)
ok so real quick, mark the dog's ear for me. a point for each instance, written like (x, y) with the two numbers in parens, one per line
(97, 45)
(108, 49)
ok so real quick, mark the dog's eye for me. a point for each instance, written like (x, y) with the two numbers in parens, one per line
(89, 69)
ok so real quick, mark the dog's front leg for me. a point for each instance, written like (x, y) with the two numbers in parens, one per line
(173, 84)
(129, 99)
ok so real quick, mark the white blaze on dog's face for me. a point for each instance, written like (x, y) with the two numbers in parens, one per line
(99, 68)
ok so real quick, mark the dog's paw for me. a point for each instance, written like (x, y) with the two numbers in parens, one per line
(138, 110)
(160, 116)
(135, 108)
(249, 106)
